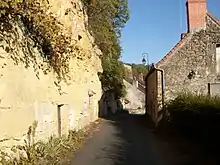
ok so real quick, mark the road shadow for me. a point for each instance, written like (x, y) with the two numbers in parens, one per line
(132, 139)
(135, 143)
(138, 141)
(197, 150)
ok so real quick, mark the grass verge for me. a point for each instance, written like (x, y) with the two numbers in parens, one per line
(55, 151)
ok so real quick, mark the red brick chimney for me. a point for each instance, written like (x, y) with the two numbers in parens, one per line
(196, 10)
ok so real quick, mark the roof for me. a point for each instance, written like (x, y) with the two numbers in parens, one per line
(182, 41)
(174, 49)
(213, 18)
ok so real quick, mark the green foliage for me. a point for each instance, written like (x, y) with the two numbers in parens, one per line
(196, 103)
(194, 114)
(106, 19)
(128, 76)
(112, 76)
(42, 27)
(139, 68)
(136, 69)
(194, 118)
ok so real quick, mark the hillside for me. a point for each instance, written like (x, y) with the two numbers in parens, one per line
(137, 70)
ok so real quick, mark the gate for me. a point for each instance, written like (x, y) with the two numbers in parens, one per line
(155, 94)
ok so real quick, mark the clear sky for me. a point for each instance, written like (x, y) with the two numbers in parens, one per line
(155, 27)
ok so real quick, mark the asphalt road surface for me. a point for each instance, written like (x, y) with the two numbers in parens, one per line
(125, 140)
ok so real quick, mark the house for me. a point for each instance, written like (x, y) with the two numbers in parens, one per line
(191, 64)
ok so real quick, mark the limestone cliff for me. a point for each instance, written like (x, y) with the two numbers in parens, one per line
(134, 96)
(29, 92)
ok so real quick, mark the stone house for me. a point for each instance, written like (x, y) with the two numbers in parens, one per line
(191, 64)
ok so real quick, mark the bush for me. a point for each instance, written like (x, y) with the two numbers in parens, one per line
(194, 114)
(195, 103)
(112, 77)
(193, 125)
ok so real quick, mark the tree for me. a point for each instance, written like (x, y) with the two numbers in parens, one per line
(106, 19)
(112, 76)
(139, 68)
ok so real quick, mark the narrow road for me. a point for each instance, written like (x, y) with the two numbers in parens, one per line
(124, 140)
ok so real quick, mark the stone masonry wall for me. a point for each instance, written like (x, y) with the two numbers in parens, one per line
(197, 54)
(28, 95)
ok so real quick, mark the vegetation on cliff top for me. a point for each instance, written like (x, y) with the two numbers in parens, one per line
(42, 27)
(139, 68)
(106, 19)
(136, 70)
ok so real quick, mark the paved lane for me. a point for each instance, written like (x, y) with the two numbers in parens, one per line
(124, 140)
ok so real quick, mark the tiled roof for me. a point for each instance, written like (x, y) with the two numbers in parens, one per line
(213, 18)
(174, 49)
(181, 42)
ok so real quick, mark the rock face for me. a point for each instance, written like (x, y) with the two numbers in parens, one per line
(193, 65)
(27, 94)
(134, 96)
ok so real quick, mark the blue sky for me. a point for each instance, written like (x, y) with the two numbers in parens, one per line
(155, 27)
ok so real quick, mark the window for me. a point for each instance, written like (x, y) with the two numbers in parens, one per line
(218, 59)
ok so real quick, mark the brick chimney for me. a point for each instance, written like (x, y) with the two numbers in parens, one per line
(196, 10)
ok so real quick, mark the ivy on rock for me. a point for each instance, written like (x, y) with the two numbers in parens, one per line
(106, 19)
(43, 28)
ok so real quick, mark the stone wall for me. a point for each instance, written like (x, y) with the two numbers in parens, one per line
(193, 65)
(135, 97)
(27, 94)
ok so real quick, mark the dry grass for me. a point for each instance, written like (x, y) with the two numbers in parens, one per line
(53, 152)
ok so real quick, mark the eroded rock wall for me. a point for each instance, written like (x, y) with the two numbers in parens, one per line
(27, 94)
